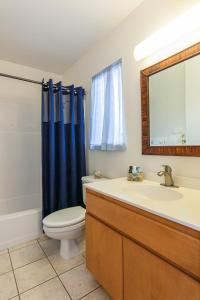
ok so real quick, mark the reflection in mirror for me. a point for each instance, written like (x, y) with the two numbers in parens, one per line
(174, 105)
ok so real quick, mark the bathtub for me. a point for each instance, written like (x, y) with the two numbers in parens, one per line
(20, 220)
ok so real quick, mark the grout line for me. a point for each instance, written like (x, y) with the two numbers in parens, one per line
(59, 274)
(13, 297)
(89, 293)
(66, 272)
(13, 269)
(13, 273)
(3, 253)
(6, 272)
(65, 288)
(55, 271)
(43, 240)
(32, 262)
(28, 263)
(24, 266)
(32, 288)
(14, 248)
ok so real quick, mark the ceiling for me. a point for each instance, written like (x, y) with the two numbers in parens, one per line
(52, 34)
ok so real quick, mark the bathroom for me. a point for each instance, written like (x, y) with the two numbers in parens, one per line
(73, 42)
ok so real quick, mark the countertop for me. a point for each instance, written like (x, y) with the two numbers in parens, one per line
(183, 207)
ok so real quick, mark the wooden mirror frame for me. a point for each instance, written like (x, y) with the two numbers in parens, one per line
(147, 149)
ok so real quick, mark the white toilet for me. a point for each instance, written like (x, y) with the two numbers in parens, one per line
(67, 225)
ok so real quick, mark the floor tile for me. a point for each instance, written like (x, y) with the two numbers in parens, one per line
(5, 264)
(8, 287)
(50, 290)
(98, 294)
(62, 265)
(25, 244)
(43, 237)
(78, 282)
(3, 251)
(33, 274)
(50, 246)
(23, 256)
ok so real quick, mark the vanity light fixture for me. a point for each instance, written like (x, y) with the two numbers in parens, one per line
(175, 30)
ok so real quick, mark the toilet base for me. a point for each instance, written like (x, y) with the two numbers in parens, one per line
(69, 248)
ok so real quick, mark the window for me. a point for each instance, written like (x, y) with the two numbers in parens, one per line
(107, 130)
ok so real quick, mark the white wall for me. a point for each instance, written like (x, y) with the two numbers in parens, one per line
(147, 18)
(20, 135)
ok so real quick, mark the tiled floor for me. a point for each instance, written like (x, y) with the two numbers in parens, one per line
(35, 271)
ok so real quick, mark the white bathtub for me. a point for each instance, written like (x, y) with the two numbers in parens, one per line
(19, 221)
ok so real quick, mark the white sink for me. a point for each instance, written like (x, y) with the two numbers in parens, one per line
(180, 205)
(151, 192)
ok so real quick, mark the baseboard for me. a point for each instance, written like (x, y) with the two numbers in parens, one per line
(20, 240)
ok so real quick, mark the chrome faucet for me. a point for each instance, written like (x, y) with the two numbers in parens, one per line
(167, 173)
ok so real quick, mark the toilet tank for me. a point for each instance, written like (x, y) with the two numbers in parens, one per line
(90, 179)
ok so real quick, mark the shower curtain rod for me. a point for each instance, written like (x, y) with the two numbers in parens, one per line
(30, 80)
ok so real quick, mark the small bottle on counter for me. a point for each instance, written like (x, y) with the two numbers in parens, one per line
(140, 174)
(135, 174)
(130, 174)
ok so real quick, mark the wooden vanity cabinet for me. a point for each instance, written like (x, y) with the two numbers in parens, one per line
(136, 255)
(104, 256)
(148, 277)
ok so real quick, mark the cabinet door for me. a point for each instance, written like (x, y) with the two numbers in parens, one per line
(148, 277)
(104, 256)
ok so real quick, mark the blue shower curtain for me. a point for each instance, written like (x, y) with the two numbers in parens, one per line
(63, 146)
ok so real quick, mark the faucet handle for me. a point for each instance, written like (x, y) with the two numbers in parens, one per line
(167, 168)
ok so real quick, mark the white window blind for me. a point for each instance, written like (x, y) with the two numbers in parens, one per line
(107, 128)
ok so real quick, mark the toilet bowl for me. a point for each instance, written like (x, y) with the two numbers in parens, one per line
(67, 225)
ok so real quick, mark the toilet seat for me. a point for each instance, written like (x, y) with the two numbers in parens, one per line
(63, 229)
(64, 218)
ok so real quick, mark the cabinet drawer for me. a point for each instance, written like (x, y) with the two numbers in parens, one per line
(177, 247)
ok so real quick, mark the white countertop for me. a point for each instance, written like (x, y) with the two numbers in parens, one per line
(181, 205)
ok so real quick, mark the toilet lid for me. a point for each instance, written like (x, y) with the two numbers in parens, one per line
(65, 217)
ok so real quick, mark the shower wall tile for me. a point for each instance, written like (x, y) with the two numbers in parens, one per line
(20, 154)
(20, 135)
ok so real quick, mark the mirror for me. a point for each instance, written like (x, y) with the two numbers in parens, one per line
(174, 105)
(171, 105)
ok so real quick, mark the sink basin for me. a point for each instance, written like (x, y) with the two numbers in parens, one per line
(180, 205)
(158, 193)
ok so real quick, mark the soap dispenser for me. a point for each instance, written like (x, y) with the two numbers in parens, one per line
(130, 174)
